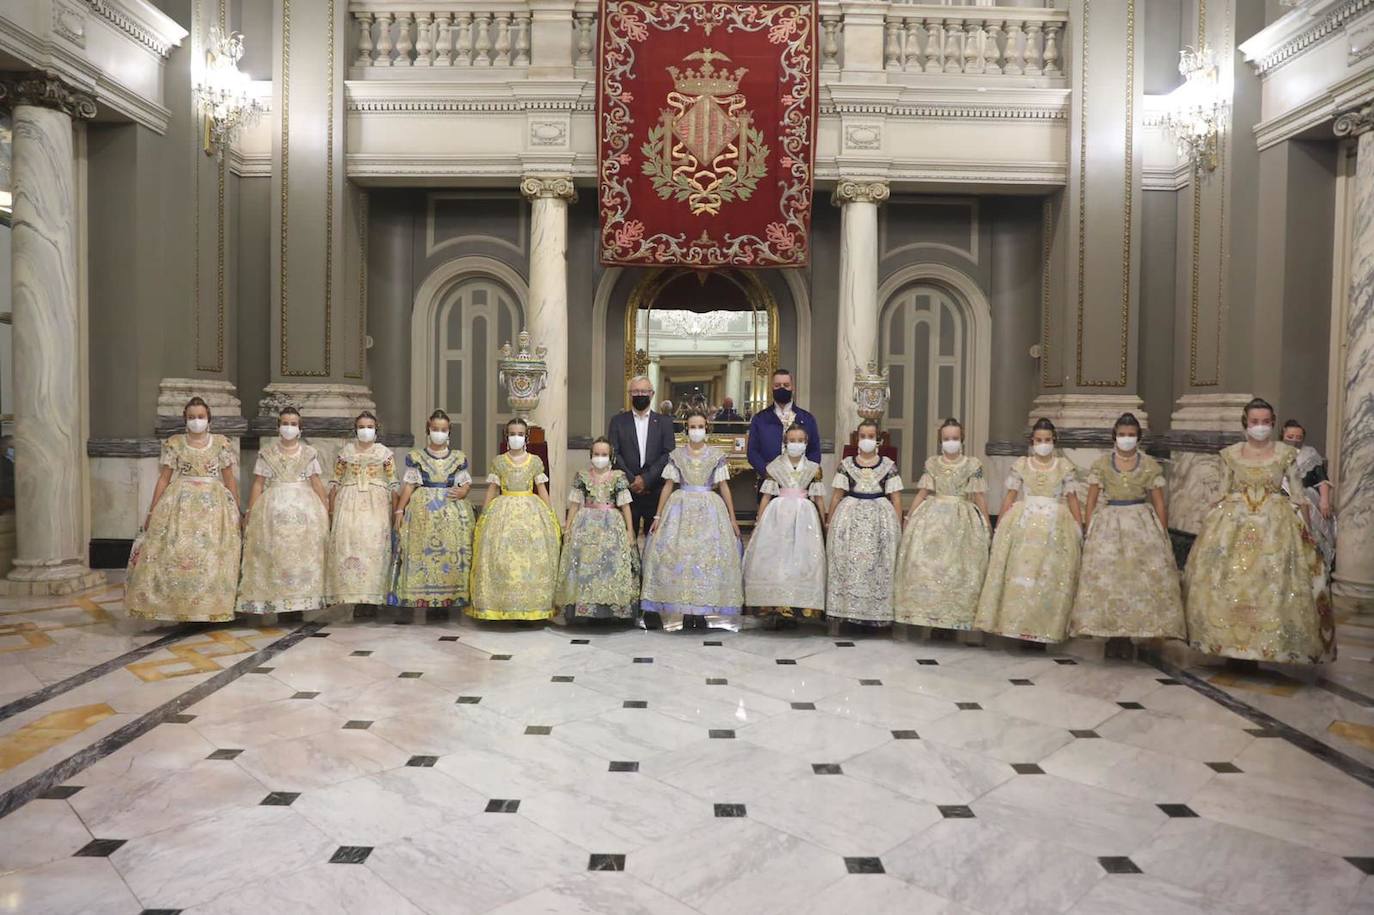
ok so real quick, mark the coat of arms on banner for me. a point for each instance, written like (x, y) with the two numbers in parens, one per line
(706, 116)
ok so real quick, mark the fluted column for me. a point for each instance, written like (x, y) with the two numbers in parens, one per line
(655, 371)
(546, 314)
(49, 442)
(856, 339)
(734, 380)
(1354, 576)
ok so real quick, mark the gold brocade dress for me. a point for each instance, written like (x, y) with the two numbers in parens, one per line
(598, 574)
(515, 553)
(358, 563)
(1029, 588)
(944, 553)
(284, 542)
(1255, 584)
(433, 547)
(1128, 586)
(861, 551)
(185, 566)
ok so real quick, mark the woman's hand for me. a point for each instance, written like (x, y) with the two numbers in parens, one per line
(455, 493)
(735, 525)
(396, 518)
(653, 528)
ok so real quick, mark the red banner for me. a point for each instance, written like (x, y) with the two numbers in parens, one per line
(706, 124)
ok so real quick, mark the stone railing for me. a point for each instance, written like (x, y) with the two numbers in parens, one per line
(453, 35)
(1010, 41)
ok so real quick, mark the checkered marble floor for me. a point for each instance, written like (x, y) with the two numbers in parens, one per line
(453, 767)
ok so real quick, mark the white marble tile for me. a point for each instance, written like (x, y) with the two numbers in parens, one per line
(1132, 771)
(849, 816)
(1176, 736)
(320, 760)
(929, 772)
(886, 707)
(381, 808)
(549, 703)
(877, 893)
(629, 734)
(709, 767)
(68, 886)
(1142, 894)
(245, 692)
(596, 894)
(1338, 822)
(437, 731)
(268, 722)
(949, 683)
(39, 832)
(323, 889)
(1088, 819)
(520, 766)
(816, 736)
(1053, 707)
(615, 813)
(395, 695)
(124, 809)
(1364, 900)
(988, 733)
(166, 747)
(1110, 681)
(794, 683)
(1181, 702)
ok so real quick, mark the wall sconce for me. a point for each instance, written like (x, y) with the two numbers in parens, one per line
(1197, 109)
(223, 94)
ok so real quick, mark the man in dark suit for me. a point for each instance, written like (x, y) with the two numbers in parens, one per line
(727, 412)
(767, 427)
(642, 441)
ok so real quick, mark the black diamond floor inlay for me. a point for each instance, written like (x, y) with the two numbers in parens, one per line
(863, 682)
(1176, 810)
(539, 730)
(1224, 768)
(1364, 864)
(224, 754)
(905, 735)
(785, 661)
(410, 674)
(713, 644)
(581, 641)
(1086, 734)
(306, 694)
(721, 734)
(716, 681)
(969, 706)
(99, 848)
(502, 805)
(644, 660)
(422, 762)
(804, 706)
(844, 644)
(635, 703)
(180, 719)
(500, 657)
(1168, 681)
(826, 769)
(729, 810)
(1262, 732)
(1021, 682)
(59, 792)
(561, 679)
(1119, 865)
(319, 635)
(262, 670)
(357, 725)
(360, 654)
(279, 799)
(956, 811)
(928, 662)
(468, 700)
(1067, 662)
(448, 638)
(160, 912)
(1134, 706)
(864, 866)
(624, 766)
(606, 863)
(351, 854)
(1027, 769)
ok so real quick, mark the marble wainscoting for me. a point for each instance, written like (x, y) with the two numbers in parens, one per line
(1201, 425)
(122, 489)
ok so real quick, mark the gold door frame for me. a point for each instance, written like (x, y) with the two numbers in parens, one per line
(646, 293)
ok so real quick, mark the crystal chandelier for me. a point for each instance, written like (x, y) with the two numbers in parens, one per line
(223, 95)
(693, 324)
(1197, 109)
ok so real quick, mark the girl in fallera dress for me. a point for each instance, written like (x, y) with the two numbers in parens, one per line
(865, 530)
(184, 566)
(944, 551)
(286, 528)
(1321, 518)
(515, 555)
(784, 564)
(1255, 584)
(360, 497)
(1128, 587)
(598, 574)
(692, 556)
(1033, 570)
(433, 524)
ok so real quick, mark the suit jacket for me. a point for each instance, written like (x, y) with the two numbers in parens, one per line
(658, 445)
(765, 438)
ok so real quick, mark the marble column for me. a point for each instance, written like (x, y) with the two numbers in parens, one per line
(655, 371)
(734, 380)
(856, 340)
(1354, 575)
(49, 442)
(546, 314)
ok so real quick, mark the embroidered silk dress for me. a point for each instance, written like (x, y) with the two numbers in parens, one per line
(1255, 584)
(692, 564)
(359, 558)
(1128, 585)
(434, 543)
(864, 534)
(185, 566)
(1312, 472)
(515, 559)
(944, 552)
(598, 574)
(1033, 570)
(288, 530)
(784, 564)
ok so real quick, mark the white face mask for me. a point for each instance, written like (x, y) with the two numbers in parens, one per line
(438, 436)
(868, 445)
(197, 426)
(289, 433)
(1126, 442)
(1043, 449)
(1260, 433)
(951, 446)
(796, 449)
(696, 436)
(367, 434)
(601, 461)
(515, 442)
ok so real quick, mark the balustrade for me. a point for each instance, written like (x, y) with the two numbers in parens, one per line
(442, 35)
(1001, 41)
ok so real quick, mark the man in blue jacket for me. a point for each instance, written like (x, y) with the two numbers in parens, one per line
(767, 427)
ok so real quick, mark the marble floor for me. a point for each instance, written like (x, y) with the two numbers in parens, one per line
(375, 766)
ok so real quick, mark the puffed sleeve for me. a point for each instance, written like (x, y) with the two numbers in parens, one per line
(262, 469)
(228, 457)
(623, 496)
(389, 471)
(312, 469)
(670, 472)
(893, 482)
(541, 476)
(411, 476)
(1155, 476)
(575, 491)
(1095, 474)
(168, 458)
(1296, 493)
(722, 473)
(339, 464)
(817, 488)
(769, 487)
(978, 482)
(926, 482)
(1014, 481)
(464, 475)
(841, 480)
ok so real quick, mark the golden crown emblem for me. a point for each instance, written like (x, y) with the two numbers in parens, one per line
(708, 80)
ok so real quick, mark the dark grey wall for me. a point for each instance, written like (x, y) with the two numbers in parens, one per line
(1155, 352)
(1166, 23)
(1014, 226)
(252, 244)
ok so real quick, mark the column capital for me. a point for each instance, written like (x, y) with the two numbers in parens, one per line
(44, 90)
(559, 187)
(1354, 122)
(860, 190)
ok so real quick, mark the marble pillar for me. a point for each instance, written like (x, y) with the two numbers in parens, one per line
(655, 372)
(856, 339)
(1201, 425)
(49, 442)
(734, 380)
(546, 315)
(1354, 575)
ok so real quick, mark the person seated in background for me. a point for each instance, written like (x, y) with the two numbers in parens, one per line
(727, 412)
(1317, 488)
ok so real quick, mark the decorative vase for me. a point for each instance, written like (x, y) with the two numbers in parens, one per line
(523, 372)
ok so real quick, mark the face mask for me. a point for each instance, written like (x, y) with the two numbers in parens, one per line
(782, 396)
(600, 461)
(197, 426)
(640, 401)
(1260, 433)
(367, 434)
(1043, 449)
(289, 433)
(1126, 442)
(796, 449)
(868, 445)
(951, 446)
(696, 436)
(1296, 443)
(438, 436)
(515, 442)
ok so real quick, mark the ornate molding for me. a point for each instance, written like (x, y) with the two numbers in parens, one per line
(852, 191)
(118, 15)
(1324, 28)
(558, 187)
(46, 91)
(1353, 123)
(69, 21)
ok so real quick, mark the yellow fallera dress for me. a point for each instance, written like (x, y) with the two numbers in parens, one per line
(1029, 588)
(944, 553)
(1255, 584)
(358, 564)
(285, 539)
(185, 566)
(515, 555)
(1128, 586)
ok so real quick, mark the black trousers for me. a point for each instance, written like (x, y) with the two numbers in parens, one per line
(642, 509)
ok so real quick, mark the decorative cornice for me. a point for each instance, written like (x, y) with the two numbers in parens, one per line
(558, 187)
(1353, 123)
(1319, 31)
(862, 191)
(951, 112)
(160, 42)
(46, 91)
